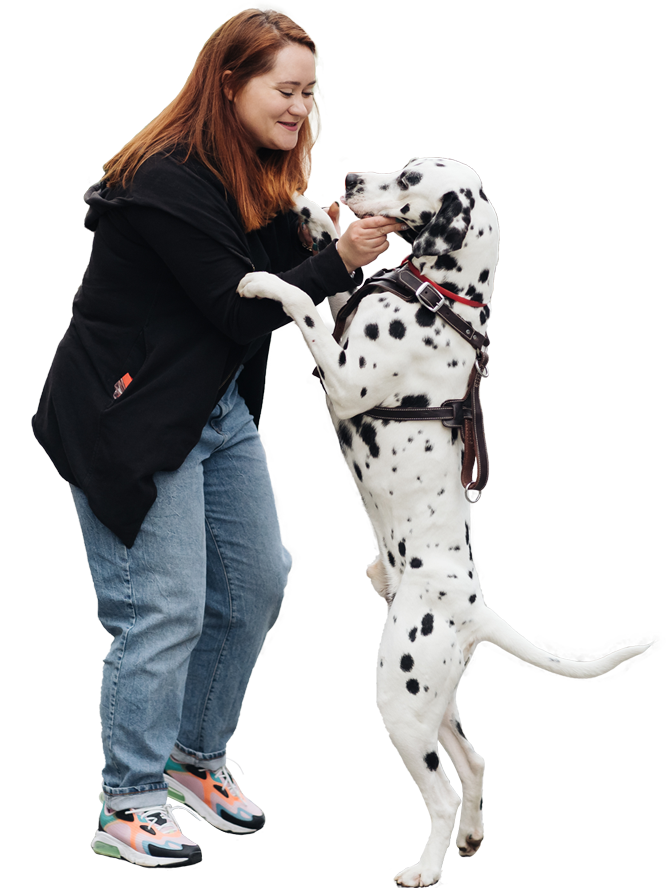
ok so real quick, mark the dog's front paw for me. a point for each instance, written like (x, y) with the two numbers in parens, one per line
(255, 285)
(468, 845)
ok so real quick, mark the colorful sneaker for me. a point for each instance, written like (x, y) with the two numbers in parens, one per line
(214, 795)
(147, 836)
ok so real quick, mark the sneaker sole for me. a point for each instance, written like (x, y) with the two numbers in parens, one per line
(109, 846)
(183, 795)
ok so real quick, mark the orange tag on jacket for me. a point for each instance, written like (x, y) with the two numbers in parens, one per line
(121, 385)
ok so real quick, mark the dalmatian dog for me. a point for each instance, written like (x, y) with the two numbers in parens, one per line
(394, 353)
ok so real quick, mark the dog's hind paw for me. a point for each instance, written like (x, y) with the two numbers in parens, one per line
(417, 876)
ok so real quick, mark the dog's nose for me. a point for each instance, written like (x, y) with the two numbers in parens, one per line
(352, 181)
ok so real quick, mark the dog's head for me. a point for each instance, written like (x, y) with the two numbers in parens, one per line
(320, 224)
(436, 197)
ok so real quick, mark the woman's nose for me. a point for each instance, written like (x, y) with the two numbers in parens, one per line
(298, 107)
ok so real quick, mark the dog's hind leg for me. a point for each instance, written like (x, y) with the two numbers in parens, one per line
(414, 689)
(470, 767)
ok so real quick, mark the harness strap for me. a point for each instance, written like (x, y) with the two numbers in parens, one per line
(461, 413)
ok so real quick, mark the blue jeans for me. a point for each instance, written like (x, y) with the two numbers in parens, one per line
(189, 606)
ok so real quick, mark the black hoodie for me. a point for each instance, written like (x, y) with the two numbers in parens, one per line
(158, 302)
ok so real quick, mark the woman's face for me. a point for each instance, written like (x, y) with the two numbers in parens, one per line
(273, 106)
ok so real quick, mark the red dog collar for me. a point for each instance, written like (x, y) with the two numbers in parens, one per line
(449, 295)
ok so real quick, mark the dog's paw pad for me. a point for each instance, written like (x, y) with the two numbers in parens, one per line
(470, 846)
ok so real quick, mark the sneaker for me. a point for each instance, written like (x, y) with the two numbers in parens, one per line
(214, 795)
(147, 836)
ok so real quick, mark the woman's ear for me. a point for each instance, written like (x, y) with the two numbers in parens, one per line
(225, 86)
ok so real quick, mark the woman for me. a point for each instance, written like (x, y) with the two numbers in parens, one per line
(150, 412)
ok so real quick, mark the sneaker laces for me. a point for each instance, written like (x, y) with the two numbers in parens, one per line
(160, 816)
(224, 777)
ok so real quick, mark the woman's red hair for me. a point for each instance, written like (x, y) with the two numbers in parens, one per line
(202, 120)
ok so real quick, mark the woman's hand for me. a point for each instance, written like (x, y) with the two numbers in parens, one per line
(366, 239)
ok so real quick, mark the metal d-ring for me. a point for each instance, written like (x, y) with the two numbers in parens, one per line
(483, 371)
(467, 487)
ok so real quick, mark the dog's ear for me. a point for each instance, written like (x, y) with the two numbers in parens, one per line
(320, 224)
(447, 230)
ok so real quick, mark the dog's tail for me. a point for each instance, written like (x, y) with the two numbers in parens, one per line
(497, 631)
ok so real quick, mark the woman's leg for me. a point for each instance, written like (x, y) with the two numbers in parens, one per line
(247, 569)
(151, 599)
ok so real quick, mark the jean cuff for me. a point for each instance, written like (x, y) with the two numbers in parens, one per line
(210, 761)
(135, 797)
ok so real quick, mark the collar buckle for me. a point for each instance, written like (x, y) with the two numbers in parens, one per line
(427, 290)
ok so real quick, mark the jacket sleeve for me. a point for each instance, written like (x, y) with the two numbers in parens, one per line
(209, 272)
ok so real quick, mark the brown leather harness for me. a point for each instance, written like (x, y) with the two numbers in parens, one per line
(460, 413)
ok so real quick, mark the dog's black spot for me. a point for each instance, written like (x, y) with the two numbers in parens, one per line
(359, 474)
(415, 563)
(432, 761)
(428, 448)
(441, 594)
(427, 624)
(407, 663)
(425, 317)
(371, 331)
(397, 329)
(470, 574)
(345, 344)
(484, 314)
(368, 435)
(481, 805)
(381, 663)
(344, 435)
(415, 401)
(361, 362)
(413, 686)
(460, 730)
(305, 212)
(413, 178)
(482, 195)
(401, 548)
(413, 633)
(426, 216)
(453, 363)
(428, 341)
(473, 294)
(308, 320)
(342, 360)
(404, 209)
(446, 261)
(452, 623)
(391, 558)
(364, 392)
(384, 187)
(472, 599)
